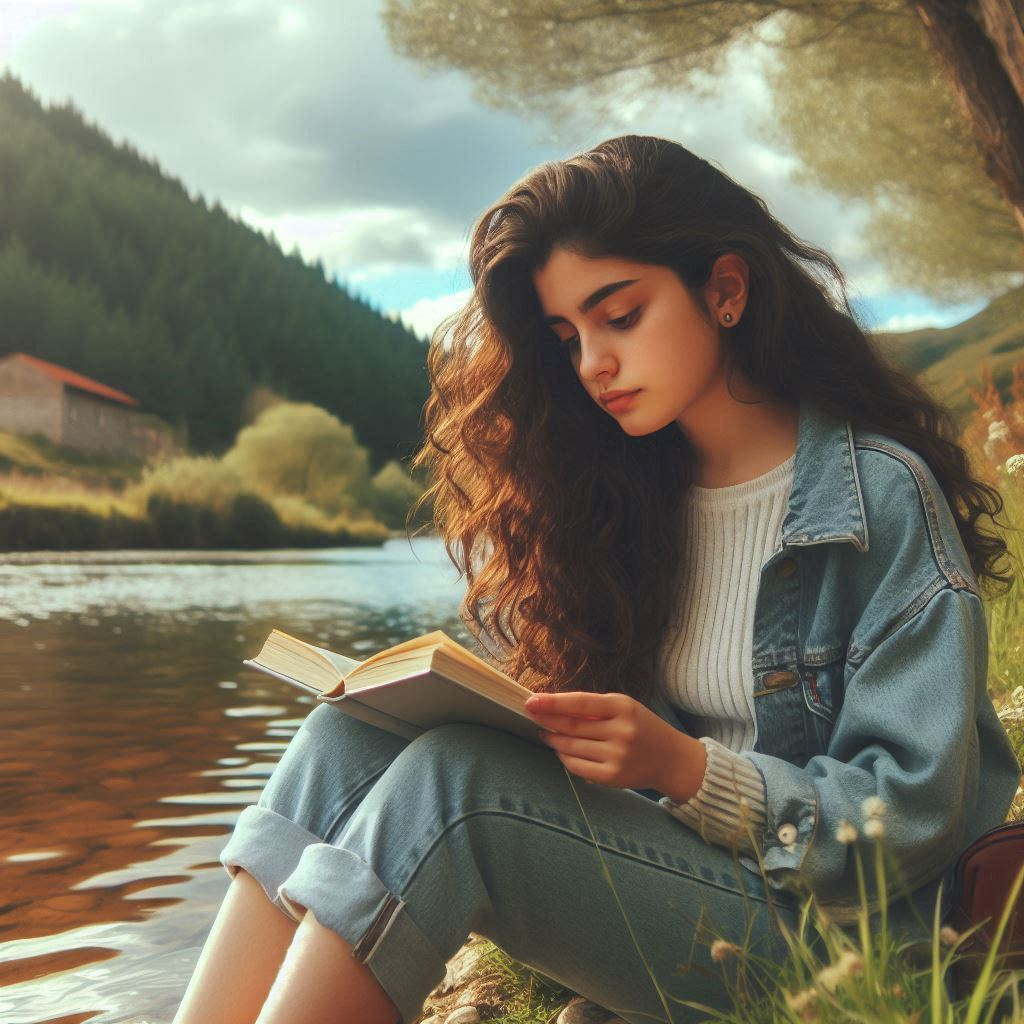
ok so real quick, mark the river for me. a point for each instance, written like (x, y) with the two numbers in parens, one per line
(131, 738)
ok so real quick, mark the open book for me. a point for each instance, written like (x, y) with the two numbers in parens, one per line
(427, 681)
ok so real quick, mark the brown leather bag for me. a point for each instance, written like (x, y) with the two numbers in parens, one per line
(984, 876)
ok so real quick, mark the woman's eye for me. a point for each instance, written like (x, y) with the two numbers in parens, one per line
(625, 321)
(619, 323)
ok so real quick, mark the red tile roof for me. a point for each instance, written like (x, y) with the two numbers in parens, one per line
(75, 380)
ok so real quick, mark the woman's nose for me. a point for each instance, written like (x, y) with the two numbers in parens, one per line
(595, 359)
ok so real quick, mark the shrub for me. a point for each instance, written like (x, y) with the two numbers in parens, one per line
(302, 451)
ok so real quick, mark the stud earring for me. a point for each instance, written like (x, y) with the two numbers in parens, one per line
(728, 318)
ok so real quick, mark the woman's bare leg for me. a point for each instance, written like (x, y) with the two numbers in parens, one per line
(240, 959)
(321, 983)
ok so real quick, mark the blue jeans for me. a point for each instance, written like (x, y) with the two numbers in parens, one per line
(405, 847)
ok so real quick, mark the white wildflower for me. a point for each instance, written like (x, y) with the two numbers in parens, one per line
(829, 977)
(802, 1003)
(873, 807)
(949, 936)
(846, 833)
(1018, 694)
(873, 828)
(849, 963)
(988, 414)
(1015, 465)
(722, 950)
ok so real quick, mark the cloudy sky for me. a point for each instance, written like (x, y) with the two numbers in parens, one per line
(301, 121)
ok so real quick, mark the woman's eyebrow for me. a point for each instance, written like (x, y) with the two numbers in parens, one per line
(593, 299)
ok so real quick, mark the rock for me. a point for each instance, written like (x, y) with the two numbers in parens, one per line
(460, 967)
(580, 1010)
(463, 1015)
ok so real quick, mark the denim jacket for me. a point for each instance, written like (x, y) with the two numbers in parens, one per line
(870, 657)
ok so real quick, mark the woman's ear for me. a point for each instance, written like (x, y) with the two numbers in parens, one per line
(726, 289)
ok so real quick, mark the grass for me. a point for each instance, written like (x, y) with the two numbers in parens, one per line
(870, 978)
(36, 456)
(47, 492)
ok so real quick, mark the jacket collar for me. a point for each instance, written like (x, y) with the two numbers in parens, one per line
(826, 502)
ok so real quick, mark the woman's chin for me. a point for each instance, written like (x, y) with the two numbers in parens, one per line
(639, 427)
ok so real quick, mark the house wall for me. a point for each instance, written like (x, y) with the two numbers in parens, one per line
(33, 403)
(30, 402)
(93, 424)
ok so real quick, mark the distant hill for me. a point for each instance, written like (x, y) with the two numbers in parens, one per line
(949, 358)
(109, 267)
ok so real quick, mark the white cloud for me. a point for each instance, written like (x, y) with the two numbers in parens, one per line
(364, 243)
(18, 19)
(424, 316)
(917, 321)
(292, 21)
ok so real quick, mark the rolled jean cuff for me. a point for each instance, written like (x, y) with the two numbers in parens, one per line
(346, 895)
(268, 846)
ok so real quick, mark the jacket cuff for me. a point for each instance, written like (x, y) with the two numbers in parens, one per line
(730, 803)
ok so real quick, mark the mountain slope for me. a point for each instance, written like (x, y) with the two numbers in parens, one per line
(949, 359)
(109, 267)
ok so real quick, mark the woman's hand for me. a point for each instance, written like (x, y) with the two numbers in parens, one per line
(613, 739)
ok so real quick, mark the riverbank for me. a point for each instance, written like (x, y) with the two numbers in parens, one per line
(296, 477)
(247, 524)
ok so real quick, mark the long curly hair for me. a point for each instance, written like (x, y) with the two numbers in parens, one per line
(565, 527)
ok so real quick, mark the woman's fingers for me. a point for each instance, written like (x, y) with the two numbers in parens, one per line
(573, 725)
(578, 747)
(577, 704)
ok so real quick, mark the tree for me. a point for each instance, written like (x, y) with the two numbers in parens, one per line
(543, 53)
(884, 129)
(301, 450)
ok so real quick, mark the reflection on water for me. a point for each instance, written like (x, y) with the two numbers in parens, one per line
(130, 740)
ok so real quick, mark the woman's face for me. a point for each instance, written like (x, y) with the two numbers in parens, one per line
(634, 327)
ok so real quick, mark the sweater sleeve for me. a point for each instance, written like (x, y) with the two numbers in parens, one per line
(730, 803)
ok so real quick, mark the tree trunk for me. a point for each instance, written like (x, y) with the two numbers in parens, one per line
(987, 94)
(1003, 22)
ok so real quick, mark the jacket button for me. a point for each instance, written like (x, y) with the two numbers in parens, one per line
(787, 834)
(779, 680)
(786, 567)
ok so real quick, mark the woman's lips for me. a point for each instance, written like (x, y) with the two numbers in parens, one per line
(621, 402)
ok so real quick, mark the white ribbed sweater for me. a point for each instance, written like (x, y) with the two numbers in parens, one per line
(730, 532)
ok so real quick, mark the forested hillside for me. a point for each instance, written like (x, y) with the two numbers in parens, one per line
(109, 267)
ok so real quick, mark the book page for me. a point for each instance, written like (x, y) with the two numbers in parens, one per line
(417, 643)
(339, 661)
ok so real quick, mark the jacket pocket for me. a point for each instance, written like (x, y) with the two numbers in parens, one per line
(796, 710)
(822, 690)
(779, 707)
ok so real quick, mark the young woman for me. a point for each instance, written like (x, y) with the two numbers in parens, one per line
(737, 556)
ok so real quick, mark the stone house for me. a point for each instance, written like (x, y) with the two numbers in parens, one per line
(38, 397)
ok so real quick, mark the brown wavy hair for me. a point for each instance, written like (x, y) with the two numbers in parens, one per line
(565, 527)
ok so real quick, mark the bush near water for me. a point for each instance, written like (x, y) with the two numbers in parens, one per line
(295, 477)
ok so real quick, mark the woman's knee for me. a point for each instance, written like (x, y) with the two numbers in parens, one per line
(328, 765)
(460, 752)
(328, 735)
